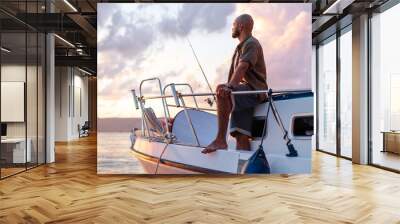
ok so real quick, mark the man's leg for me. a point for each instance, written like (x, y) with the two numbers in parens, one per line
(242, 119)
(242, 141)
(224, 107)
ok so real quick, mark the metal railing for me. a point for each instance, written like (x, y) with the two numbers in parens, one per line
(180, 102)
(172, 85)
(275, 92)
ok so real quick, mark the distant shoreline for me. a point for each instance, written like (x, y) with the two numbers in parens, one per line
(117, 124)
(113, 132)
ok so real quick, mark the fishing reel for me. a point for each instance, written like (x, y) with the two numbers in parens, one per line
(209, 101)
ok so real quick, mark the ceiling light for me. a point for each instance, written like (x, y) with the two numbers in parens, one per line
(84, 71)
(5, 50)
(338, 6)
(64, 40)
(70, 5)
(79, 51)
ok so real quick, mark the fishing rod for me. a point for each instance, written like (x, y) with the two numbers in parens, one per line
(201, 67)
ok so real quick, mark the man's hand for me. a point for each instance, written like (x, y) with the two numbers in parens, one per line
(223, 90)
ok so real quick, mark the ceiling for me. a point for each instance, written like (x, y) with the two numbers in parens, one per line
(329, 16)
(75, 21)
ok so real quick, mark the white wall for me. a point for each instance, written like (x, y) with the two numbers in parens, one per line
(16, 73)
(33, 126)
(80, 110)
(62, 82)
(12, 101)
(71, 87)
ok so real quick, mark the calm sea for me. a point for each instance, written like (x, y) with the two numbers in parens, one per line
(114, 156)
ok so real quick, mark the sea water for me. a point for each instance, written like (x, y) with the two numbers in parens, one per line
(114, 156)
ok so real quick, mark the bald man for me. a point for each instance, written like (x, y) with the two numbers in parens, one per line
(247, 72)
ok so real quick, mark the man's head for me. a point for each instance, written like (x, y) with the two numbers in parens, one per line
(242, 24)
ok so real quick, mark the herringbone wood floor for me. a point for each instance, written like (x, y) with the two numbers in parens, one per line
(69, 191)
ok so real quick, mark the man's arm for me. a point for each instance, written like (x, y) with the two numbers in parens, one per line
(246, 60)
(239, 73)
(237, 76)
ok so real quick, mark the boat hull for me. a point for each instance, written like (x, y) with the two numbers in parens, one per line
(190, 157)
(186, 153)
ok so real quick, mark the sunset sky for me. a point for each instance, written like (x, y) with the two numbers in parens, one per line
(139, 41)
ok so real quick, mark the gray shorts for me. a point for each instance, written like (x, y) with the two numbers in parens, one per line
(243, 111)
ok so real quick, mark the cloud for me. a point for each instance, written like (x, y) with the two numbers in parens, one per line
(130, 38)
(131, 35)
(207, 17)
(284, 31)
(126, 39)
(121, 83)
(105, 11)
(223, 71)
(138, 41)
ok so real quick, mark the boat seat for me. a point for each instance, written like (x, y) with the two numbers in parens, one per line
(205, 125)
(153, 123)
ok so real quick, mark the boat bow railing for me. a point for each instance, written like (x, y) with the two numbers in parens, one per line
(274, 93)
(180, 102)
(174, 92)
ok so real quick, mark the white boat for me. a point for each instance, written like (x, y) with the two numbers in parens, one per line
(180, 143)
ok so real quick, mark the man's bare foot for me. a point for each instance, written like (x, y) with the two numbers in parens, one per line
(214, 146)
